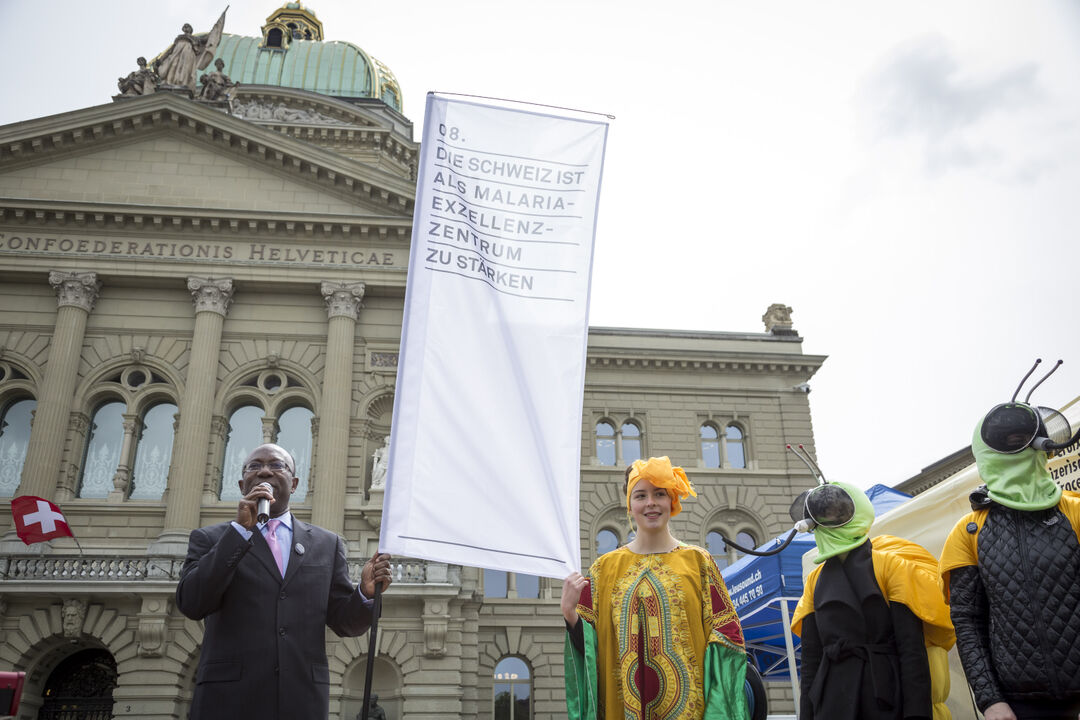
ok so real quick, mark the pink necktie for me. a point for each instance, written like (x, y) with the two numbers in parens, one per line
(272, 541)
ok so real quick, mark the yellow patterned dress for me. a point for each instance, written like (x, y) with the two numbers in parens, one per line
(662, 641)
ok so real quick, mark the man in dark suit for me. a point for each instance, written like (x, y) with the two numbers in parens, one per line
(265, 607)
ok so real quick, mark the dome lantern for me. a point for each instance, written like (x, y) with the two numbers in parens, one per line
(291, 21)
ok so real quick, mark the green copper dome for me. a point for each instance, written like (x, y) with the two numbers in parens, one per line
(291, 53)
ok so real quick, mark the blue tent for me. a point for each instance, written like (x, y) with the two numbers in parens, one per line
(765, 591)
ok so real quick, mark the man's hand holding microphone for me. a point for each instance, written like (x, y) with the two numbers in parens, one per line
(254, 508)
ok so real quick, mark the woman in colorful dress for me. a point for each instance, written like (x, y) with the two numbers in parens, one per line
(651, 631)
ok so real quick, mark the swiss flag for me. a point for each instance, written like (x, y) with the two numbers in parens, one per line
(38, 520)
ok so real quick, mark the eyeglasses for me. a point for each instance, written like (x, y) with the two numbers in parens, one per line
(273, 465)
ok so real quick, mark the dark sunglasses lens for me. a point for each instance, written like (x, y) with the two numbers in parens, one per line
(797, 511)
(1010, 428)
(830, 506)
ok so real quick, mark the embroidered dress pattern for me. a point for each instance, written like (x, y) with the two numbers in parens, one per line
(657, 668)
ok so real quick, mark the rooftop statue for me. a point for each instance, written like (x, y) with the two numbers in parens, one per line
(216, 86)
(178, 66)
(138, 82)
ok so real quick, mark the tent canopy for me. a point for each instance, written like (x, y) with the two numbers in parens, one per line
(765, 590)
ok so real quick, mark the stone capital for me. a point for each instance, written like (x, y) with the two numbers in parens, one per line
(343, 298)
(209, 294)
(80, 290)
(131, 423)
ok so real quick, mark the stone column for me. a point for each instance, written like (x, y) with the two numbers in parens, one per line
(212, 298)
(77, 431)
(269, 429)
(219, 430)
(76, 294)
(343, 309)
(511, 585)
(122, 478)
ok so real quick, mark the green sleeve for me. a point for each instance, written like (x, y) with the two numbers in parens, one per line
(725, 683)
(581, 686)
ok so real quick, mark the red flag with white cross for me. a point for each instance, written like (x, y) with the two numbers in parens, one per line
(38, 520)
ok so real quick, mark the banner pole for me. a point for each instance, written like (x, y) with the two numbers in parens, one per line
(376, 611)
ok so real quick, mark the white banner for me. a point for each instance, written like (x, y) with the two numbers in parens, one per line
(485, 449)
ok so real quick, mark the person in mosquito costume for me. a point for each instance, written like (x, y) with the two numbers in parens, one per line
(1012, 569)
(873, 622)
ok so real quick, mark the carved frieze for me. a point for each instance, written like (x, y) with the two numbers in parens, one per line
(384, 360)
(280, 112)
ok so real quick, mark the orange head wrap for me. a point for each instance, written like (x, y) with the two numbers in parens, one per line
(659, 472)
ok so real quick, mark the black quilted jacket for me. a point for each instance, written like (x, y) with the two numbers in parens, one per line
(1017, 614)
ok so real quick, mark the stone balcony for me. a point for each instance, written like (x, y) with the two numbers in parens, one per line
(31, 572)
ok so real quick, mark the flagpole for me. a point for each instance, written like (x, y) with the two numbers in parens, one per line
(376, 611)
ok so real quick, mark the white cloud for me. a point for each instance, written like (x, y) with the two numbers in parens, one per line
(921, 91)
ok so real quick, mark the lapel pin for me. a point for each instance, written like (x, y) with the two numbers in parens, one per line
(299, 549)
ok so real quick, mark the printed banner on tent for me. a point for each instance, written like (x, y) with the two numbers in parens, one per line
(1064, 467)
(484, 460)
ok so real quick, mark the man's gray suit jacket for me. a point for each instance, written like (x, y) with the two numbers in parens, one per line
(264, 649)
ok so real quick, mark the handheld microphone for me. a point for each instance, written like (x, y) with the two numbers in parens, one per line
(262, 509)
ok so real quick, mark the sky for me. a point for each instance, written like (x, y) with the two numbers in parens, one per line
(903, 175)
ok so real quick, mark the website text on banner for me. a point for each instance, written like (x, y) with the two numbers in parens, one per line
(485, 447)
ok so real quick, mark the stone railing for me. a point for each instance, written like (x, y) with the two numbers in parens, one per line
(115, 569)
(410, 571)
(52, 568)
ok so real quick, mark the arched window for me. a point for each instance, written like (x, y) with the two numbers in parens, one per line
(620, 447)
(294, 434)
(710, 446)
(80, 686)
(511, 693)
(103, 445)
(723, 553)
(273, 38)
(733, 446)
(245, 434)
(605, 443)
(746, 540)
(14, 439)
(154, 453)
(717, 548)
(606, 541)
(631, 442)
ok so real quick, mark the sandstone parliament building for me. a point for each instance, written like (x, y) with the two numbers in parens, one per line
(187, 272)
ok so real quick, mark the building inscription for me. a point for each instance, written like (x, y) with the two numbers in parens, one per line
(247, 252)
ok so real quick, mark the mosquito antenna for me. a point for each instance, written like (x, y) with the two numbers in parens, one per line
(812, 461)
(1037, 361)
(1043, 380)
(814, 469)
